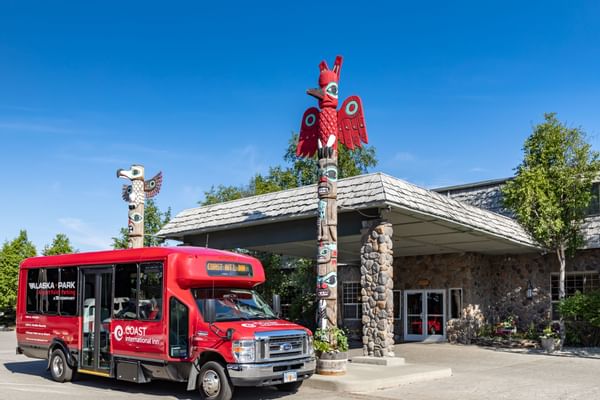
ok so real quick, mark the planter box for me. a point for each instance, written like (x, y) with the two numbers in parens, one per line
(550, 344)
(332, 363)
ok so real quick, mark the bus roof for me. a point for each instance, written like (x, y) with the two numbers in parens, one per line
(127, 256)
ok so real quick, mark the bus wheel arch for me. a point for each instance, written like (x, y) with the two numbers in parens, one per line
(59, 344)
(202, 359)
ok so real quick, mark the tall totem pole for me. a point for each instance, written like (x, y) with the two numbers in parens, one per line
(321, 128)
(135, 195)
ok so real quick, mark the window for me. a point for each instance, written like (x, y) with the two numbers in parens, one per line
(351, 299)
(35, 280)
(125, 301)
(594, 207)
(150, 294)
(397, 304)
(52, 291)
(138, 291)
(178, 329)
(68, 291)
(574, 282)
(455, 303)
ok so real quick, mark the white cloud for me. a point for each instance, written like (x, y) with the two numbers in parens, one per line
(477, 169)
(84, 235)
(32, 127)
(404, 156)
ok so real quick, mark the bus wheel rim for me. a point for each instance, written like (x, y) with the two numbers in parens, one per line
(57, 366)
(211, 384)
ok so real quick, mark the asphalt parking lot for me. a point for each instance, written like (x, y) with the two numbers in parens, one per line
(478, 373)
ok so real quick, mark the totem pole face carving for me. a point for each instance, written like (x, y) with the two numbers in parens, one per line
(327, 251)
(328, 174)
(325, 284)
(327, 92)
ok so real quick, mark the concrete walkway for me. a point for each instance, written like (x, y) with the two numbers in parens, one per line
(479, 373)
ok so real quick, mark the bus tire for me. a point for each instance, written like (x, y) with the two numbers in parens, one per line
(59, 368)
(213, 383)
(291, 387)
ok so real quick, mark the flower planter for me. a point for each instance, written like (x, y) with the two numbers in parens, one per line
(333, 363)
(550, 344)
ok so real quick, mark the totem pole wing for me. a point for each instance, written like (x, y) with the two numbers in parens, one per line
(309, 131)
(125, 192)
(351, 123)
(152, 186)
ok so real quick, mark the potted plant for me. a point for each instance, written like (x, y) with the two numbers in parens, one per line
(507, 327)
(331, 349)
(550, 339)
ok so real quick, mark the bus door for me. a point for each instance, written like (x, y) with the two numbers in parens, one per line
(96, 311)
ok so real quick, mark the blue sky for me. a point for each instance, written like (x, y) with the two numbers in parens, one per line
(210, 93)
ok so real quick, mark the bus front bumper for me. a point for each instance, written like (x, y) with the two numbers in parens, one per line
(265, 374)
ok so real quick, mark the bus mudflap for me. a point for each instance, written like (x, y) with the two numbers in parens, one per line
(131, 371)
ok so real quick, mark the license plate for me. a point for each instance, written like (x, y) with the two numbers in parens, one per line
(290, 376)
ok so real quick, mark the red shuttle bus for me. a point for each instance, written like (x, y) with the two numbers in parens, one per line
(183, 314)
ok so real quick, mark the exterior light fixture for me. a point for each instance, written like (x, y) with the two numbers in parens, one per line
(529, 290)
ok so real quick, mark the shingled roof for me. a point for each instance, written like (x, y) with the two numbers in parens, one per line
(355, 193)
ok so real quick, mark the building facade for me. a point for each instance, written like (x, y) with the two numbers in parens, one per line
(410, 259)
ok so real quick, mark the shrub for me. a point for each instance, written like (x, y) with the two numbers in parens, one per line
(582, 315)
(582, 307)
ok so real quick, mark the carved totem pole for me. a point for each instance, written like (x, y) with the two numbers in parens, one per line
(135, 195)
(321, 128)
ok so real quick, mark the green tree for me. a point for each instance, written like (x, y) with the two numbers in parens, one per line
(552, 189)
(300, 172)
(154, 220)
(60, 245)
(11, 255)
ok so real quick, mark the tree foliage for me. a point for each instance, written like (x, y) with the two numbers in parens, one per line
(552, 187)
(551, 190)
(11, 255)
(154, 220)
(299, 172)
(60, 245)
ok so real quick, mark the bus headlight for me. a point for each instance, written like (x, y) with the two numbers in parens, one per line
(243, 351)
(311, 346)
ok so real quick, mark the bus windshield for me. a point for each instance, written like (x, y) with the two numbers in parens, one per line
(234, 304)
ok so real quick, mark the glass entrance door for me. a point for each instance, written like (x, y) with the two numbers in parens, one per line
(96, 312)
(425, 315)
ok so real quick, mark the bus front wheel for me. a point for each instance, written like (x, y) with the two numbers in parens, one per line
(213, 383)
(60, 370)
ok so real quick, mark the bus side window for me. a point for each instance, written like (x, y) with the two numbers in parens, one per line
(150, 295)
(178, 329)
(126, 289)
(68, 291)
(34, 276)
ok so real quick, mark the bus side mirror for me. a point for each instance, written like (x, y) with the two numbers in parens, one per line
(209, 311)
(277, 305)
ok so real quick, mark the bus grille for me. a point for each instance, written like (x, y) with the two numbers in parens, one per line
(273, 347)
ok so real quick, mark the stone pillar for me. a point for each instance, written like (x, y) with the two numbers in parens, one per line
(377, 273)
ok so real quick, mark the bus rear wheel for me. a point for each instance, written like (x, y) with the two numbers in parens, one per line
(59, 369)
(213, 383)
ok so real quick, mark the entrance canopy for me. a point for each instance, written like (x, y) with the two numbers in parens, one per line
(424, 222)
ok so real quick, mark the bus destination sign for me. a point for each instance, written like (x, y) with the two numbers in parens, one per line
(228, 269)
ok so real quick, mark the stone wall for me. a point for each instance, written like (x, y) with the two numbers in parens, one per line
(497, 285)
(377, 274)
